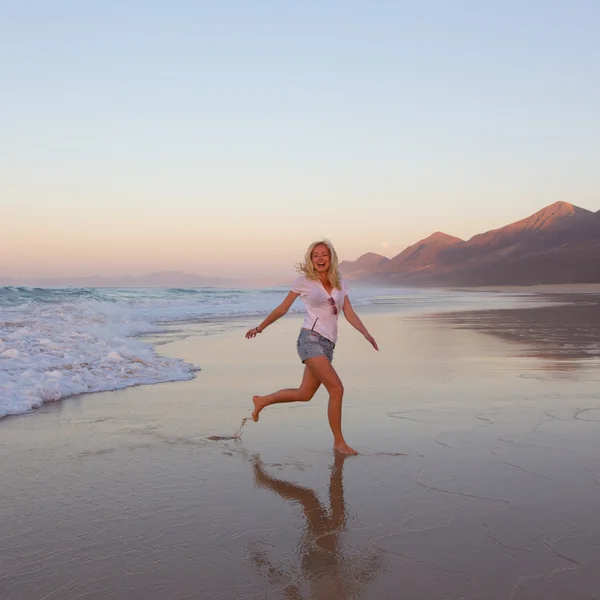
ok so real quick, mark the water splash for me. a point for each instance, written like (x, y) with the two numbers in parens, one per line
(237, 435)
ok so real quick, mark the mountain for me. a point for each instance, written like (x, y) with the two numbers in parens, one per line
(558, 244)
(177, 279)
(415, 257)
(162, 279)
(365, 264)
(549, 225)
(420, 256)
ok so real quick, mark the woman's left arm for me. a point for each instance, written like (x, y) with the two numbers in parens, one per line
(354, 320)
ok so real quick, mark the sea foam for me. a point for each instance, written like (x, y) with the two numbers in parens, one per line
(59, 343)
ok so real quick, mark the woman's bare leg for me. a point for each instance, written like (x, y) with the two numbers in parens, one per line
(304, 393)
(322, 371)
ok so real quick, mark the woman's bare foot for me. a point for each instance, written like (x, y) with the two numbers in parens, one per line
(258, 406)
(343, 448)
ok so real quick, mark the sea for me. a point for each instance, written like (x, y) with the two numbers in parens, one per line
(60, 342)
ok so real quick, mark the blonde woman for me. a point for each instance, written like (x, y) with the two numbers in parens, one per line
(324, 294)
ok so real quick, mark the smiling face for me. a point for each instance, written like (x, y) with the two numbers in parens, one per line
(321, 258)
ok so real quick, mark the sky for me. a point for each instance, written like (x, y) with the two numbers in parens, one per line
(221, 138)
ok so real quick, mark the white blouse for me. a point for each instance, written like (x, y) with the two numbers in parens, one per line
(319, 311)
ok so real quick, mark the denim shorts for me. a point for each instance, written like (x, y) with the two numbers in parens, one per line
(311, 344)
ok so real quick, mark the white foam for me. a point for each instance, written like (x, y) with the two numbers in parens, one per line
(49, 352)
(59, 343)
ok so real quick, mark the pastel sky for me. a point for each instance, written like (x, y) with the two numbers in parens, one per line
(223, 137)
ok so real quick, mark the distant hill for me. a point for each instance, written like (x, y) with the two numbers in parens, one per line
(421, 256)
(166, 279)
(558, 244)
(366, 264)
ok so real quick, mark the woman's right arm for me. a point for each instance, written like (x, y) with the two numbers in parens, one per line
(277, 313)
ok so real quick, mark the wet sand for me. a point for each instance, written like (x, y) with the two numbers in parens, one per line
(478, 478)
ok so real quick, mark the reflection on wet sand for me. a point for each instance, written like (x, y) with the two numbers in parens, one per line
(562, 333)
(329, 570)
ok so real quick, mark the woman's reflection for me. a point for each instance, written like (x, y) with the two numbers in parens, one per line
(330, 573)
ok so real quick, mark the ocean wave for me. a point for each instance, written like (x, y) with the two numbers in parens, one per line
(59, 342)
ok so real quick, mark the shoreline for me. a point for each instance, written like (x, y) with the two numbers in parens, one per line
(172, 332)
(559, 288)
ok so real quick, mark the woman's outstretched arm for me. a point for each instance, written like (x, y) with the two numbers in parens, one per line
(353, 319)
(276, 313)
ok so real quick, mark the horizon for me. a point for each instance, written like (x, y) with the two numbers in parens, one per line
(95, 280)
(223, 140)
(281, 279)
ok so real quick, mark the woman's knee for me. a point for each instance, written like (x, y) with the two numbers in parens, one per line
(336, 388)
(305, 395)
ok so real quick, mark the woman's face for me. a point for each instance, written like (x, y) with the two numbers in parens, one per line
(321, 259)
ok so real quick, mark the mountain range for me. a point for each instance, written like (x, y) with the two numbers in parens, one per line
(558, 244)
(162, 279)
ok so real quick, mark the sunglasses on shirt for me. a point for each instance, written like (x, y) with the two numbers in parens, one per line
(333, 306)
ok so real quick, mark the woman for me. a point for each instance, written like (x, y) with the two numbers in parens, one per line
(323, 293)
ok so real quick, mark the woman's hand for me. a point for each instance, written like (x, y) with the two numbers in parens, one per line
(252, 333)
(371, 341)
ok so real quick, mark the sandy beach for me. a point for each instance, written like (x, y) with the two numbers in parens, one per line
(478, 476)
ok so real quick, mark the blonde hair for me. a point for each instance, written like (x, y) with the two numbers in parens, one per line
(307, 268)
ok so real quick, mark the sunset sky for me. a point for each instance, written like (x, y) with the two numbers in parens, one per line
(223, 137)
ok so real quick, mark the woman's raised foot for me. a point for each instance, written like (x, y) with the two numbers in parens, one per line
(258, 406)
